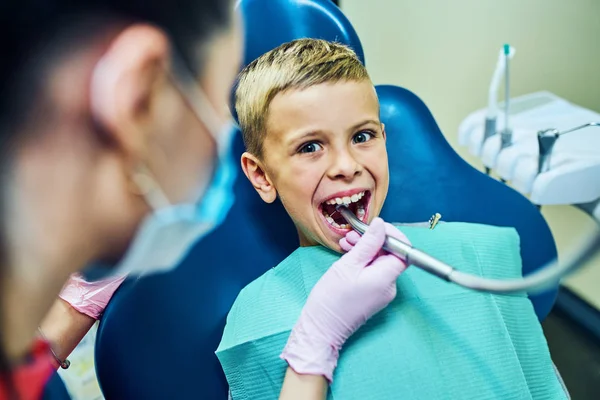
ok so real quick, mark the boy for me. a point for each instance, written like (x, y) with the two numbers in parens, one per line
(310, 120)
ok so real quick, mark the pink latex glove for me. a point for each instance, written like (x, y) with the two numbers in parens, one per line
(352, 237)
(356, 287)
(89, 298)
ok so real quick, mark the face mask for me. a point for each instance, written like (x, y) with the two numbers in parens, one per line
(170, 231)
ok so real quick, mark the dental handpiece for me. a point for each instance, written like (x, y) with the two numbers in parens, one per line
(543, 279)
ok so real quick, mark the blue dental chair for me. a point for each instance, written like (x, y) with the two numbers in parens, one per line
(159, 333)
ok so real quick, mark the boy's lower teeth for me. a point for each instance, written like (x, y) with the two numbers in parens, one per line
(360, 213)
(335, 224)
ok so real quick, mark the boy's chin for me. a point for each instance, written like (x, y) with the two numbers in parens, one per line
(334, 246)
(330, 240)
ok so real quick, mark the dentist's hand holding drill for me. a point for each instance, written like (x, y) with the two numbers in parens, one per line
(359, 285)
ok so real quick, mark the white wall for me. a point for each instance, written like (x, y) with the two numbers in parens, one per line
(446, 51)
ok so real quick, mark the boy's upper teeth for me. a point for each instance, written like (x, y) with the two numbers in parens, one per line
(346, 199)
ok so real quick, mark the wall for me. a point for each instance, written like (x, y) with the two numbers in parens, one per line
(446, 51)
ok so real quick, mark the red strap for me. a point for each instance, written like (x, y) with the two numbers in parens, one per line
(30, 379)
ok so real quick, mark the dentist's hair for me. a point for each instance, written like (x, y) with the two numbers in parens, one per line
(295, 65)
(36, 35)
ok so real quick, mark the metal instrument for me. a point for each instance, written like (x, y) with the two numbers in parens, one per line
(539, 281)
(546, 140)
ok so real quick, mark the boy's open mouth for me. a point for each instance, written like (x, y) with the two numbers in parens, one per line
(357, 203)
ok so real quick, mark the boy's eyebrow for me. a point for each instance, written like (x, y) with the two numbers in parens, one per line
(301, 137)
(366, 122)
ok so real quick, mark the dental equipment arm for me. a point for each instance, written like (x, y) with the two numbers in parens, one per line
(539, 281)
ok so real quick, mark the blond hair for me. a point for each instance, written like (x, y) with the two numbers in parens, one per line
(298, 64)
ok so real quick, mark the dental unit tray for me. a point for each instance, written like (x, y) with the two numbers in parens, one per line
(543, 279)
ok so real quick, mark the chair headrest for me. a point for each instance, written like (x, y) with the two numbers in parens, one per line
(270, 23)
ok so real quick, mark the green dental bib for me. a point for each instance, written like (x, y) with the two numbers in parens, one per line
(434, 341)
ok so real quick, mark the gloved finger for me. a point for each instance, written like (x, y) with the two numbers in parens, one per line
(387, 268)
(368, 246)
(345, 245)
(353, 237)
(396, 233)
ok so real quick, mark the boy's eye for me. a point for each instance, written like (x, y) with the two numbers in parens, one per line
(310, 147)
(362, 137)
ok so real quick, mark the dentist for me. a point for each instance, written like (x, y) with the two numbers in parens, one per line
(115, 148)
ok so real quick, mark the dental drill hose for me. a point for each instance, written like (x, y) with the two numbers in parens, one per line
(541, 280)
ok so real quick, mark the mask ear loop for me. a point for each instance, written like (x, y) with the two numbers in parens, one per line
(148, 188)
(194, 96)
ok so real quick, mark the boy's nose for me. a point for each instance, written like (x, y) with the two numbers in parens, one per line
(344, 166)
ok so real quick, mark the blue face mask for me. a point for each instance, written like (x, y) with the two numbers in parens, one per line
(165, 237)
(169, 232)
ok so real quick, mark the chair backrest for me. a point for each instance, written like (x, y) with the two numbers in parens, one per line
(55, 389)
(159, 333)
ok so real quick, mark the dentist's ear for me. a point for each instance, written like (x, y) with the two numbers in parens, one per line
(125, 84)
(258, 177)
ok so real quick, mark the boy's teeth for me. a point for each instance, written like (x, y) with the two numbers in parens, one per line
(346, 200)
(360, 213)
(335, 225)
(330, 220)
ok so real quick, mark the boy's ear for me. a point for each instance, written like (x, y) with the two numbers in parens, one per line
(259, 178)
(383, 131)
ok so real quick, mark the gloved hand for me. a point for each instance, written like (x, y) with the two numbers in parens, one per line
(352, 237)
(89, 298)
(356, 287)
